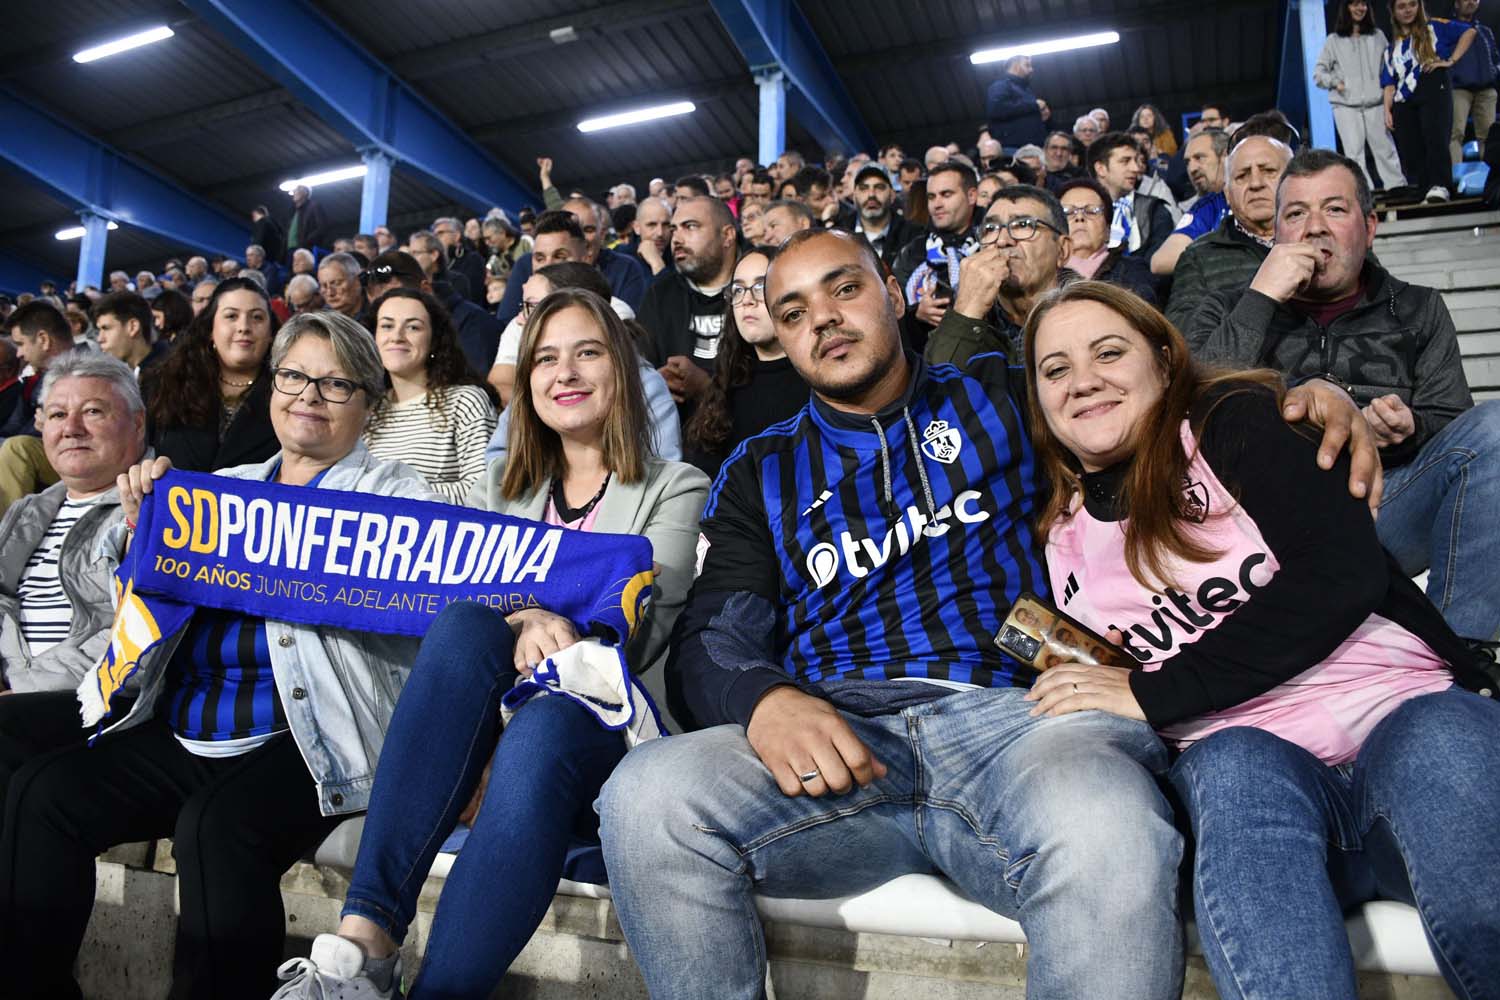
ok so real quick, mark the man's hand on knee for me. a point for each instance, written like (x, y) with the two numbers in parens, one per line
(801, 737)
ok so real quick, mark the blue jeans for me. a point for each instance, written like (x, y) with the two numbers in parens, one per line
(548, 767)
(1439, 513)
(1286, 843)
(1057, 822)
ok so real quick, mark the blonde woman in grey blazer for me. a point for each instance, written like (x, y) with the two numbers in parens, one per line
(579, 457)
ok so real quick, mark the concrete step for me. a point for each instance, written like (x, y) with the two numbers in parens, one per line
(1483, 373)
(1439, 223)
(1440, 254)
(1458, 277)
(1484, 299)
(1474, 320)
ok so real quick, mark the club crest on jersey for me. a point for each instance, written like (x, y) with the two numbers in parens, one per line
(1194, 501)
(941, 443)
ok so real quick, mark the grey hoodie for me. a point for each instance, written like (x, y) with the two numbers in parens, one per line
(1354, 61)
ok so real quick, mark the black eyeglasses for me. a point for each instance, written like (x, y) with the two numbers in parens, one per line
(753, 292)
(378, 275)
(1077, 212)
(1021, 229)
(331, 388)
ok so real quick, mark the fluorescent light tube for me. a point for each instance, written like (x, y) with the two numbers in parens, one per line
(636, 117)
(1045, 47)
(159, 33)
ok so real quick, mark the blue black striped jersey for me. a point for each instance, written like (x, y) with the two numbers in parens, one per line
(888, 546)
(222, 685)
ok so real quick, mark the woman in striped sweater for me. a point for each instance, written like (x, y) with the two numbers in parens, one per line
(437, 416)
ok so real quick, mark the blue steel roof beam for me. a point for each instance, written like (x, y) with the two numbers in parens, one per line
(18, 275)
(774, 33)
(356, 94)
(96, 178)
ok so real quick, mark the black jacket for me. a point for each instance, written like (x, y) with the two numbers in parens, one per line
(248, 438)
(268, 236)
(312, 228)
(470, 263)
(1014, 118)
(1132, 273)
(1221, 261)
(1399, 339)
(666, 312)
(897, 236)
(478, 333)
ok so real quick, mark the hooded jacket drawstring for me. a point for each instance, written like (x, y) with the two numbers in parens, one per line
(885, 465)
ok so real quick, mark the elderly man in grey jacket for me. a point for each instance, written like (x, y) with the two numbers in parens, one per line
(55, 573)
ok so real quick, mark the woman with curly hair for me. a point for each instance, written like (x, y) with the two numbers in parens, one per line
(754, 384)
(210, 399)
(437, 415)
(1148, 117)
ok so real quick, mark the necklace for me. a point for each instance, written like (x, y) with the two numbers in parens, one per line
(236, 385)
(568, 514)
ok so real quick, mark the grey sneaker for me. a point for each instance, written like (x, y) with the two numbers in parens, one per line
(335, 971)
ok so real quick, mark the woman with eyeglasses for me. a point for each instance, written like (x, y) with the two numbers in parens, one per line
(437, 416)
(754, 384)
(252, 739)
(1087, 206)
(209, 400)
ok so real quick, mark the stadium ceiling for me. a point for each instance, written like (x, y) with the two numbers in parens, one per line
(226, 109)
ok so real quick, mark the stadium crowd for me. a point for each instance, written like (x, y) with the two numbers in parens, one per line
(860, 409)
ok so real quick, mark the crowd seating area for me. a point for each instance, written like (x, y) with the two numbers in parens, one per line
(637, 255)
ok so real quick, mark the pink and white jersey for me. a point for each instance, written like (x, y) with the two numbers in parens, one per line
(1328, 709)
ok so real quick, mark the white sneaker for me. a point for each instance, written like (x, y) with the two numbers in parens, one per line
(1436, 193)
(335, 971)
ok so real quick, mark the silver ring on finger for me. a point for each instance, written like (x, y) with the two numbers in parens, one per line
(810, 776)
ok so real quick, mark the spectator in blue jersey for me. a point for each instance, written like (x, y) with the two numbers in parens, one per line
(858, 722)
(209, 753)
(1328, 756)
(1417, 92)
(1013, 109)
(1476, 74)
(1205, 155)
(56, 582)
(1086, 206)
(754, 384)
(580, 458)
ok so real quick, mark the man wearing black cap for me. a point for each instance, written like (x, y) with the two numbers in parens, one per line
(877, 220)
(478, 331)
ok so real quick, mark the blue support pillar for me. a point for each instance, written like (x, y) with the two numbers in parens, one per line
(375, 199)
(774, 34)
(91, 176)
(772, 84)
(91, 250)
(1314, 29)
(361, 98)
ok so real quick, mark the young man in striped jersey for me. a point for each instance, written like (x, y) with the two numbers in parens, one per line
(55, 590)
(856, 562)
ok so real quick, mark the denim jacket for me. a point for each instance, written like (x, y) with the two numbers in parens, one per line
(338, 686)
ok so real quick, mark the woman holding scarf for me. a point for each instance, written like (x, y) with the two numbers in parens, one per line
(579, 457)
(251, 739)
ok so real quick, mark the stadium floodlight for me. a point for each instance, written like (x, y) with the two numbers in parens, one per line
(324, 177)
(76, 232)
(1043, 48)
(637, 116)
(159, 33)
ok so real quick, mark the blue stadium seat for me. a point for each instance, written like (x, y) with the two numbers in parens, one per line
(1471, 182)
(1471, 150)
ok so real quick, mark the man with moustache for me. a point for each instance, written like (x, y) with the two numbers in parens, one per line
(1023, 249)
(1226, 259)
(849, 708)
(884, 228)
(1204, 155)
(1318, 307)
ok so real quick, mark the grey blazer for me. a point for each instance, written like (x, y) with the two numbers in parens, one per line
(664, 507)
